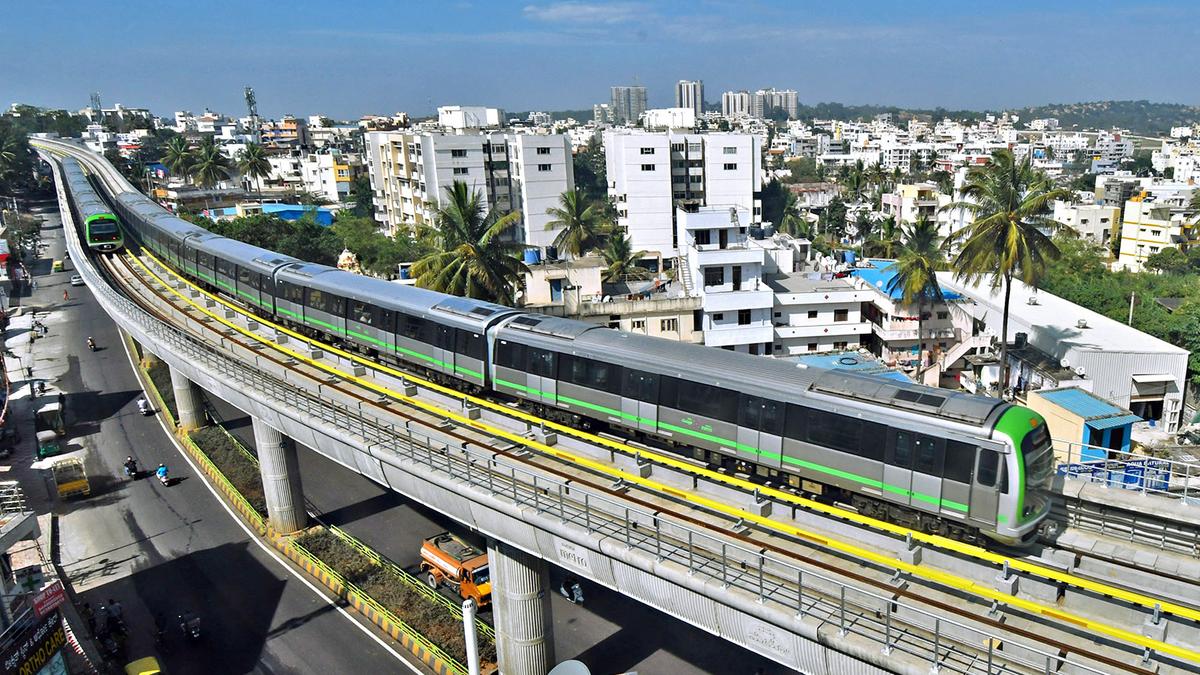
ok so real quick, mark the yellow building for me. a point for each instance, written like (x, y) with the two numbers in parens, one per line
(1149, 227)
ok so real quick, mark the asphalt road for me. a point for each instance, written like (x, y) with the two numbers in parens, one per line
(610, 633)
(163, 550)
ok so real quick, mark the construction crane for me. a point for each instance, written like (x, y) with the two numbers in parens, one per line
(252, 108)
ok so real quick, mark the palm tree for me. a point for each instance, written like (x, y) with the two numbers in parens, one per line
(856, 182)
(791, 221)
(886, 241)
(178, 157)
(252, 162)
(474, 257)
(622, 260)
(211, 165)
(583, 227)
(916, 274)
(1009, 238)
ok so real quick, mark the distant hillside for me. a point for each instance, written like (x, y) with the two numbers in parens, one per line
(1140, 117)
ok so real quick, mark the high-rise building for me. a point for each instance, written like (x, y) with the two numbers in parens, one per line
(764, 100)
(602, 112)
(734, 103)
(410, 173)
(690, 94)
(649, 173)
(628, 103)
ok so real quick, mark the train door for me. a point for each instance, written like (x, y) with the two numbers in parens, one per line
(540, 367)
(929, 458)
(443, 342)
(760, 431)
(639, 397)
(897, 468)
(985, 492)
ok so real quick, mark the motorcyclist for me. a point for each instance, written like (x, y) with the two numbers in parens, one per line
(142, 405)
(91, 343)
(162, 472)
(130, 466)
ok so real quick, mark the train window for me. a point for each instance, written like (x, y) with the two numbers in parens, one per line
(833, 431)
(222, 265)
(872, 440)
(445, 337)
(415, 328)
(668, 392)
(539, 362)
(715, 402)
(243, 276)
(901, 450)
(929, 455)
(750, 412)
(797, 421)
(362, 313)
(316, 299)
(510, 354)
(960, 459)
(294, 293)
(639, 385)
(387, 320)
(772, 418)
(604, 377)
(469, 344)
(988, 461)
(204, 259)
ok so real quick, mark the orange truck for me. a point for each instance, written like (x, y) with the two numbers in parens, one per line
(447, 559)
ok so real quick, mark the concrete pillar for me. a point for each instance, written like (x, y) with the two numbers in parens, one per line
(281, 478)
(187, 401)
(521, 598)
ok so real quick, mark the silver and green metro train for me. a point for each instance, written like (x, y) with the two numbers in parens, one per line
(939, 461)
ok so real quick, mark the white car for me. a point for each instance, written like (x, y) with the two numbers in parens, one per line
(76, 280)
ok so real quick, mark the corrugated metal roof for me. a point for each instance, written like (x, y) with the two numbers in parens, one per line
(1113, 422)
(1083, 403)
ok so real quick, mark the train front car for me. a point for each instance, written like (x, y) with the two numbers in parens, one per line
(103, 232)
(1026, 476)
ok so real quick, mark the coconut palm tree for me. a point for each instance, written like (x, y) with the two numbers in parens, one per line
(916, 273)
(178, 157)
(622, 260)
(1010, 236)
(791, 221)
(252, 162)
(212, 166)
(886, 240)
(475, 258)
(583, 226)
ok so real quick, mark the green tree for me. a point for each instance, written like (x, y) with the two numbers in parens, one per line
(1011, 202)
(362, 195)
(622, 261)
(803, 170)
(833, 219)
(887, 239)
(252, 162)
(476, 258)
(916, 273)
(791, 221)
(16, 160)
(590, 172)
(212, 166)
(583, 228)
(1170, 260)
(855, 182)
(178, 157)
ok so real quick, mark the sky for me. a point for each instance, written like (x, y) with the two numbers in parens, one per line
(350, 58)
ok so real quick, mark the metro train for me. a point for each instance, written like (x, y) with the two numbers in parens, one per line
(92, 215)
(943, 462)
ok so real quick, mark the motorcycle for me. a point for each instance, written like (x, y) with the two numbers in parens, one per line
(162, 478)
(91, 344)
(571, 590)
(189, 624)
(144, 407)
(130, 469)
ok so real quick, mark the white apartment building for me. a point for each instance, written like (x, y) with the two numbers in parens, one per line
(690, 94)
(1151, 226)
(464, 117)
(727, 270)
(330, 174)
(669, 118)
(735, 103)
(410, 173)
(649, 173)
(1095, 222)
(812, 315)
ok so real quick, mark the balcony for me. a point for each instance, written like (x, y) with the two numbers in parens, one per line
(906, 333)
(735, 254)
(784, 332)
(724, 335)
(731, 301)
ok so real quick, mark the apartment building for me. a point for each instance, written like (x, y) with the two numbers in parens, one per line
(288, 130)
(650, 173)
(465, 117)
(813, 315)
(735, 103)
(330, 174)
(763, 100)
(628, 103)
(690, 94)
(894, 336)
(908, 203)
(1151, 226)
(410, 173)
(1096, 222)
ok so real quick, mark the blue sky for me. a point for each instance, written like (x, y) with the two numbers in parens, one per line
(349, 58)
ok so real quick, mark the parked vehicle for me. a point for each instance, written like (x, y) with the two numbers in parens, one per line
(447, 559)
(144, 666)
(48, 444)
(50, 418)
(70, 478)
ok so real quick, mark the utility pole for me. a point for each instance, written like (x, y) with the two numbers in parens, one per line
(1131, 297)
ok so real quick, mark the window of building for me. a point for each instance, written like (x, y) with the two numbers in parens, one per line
(461, 171)
(637, 324)
(693, 147)
(647, 151)
(743, 317)
(698, 319)
(623, 213)
(678, 195)
(1083, 221)
(729, 150)
(840, 345)
(543, 151)
(778, 314)
(669, 325)
(841, 315)
(1156, 233)
(647, 167)
(942, 316)
(812, 313)
(458, 153)
(543, 167)
(678, 147)
(758, 210)
(679, 163)
(703, 237)
(714, 276)
(730, 167)
(695, 179)
(719, 316)
(614, 320)
(812, 346)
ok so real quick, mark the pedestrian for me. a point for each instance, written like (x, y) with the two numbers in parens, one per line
(33, 284)
(62, 400)
(66, 295)
(29, 372)
(89, 616)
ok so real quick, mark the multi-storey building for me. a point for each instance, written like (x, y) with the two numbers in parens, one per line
(813, 315)
(463, 117)
(288, 130)
(603, 113)
(628, 103)
(1095, 222)
(330, 174)
(908, 203)
(735, 103)
(1151, 226)
(650, 173)
(763, 100)
(690, 94)
(410, 173)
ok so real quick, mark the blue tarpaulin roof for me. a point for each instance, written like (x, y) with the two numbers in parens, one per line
(1113, 422)
(1096, 412)
(881, 273)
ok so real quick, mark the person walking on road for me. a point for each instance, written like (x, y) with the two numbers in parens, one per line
(66, 295)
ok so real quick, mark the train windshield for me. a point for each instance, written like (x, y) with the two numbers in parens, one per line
(1038, 455)
(103, 229)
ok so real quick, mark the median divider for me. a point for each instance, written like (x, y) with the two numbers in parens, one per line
(333, 557)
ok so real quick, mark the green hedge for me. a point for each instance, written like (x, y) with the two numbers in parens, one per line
(160, 375)
(220, 447)
(427, 618)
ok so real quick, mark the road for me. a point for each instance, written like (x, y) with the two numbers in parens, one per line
(163, 550)
(610, 633)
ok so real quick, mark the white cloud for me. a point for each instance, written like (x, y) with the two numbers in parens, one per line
(588, 13)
